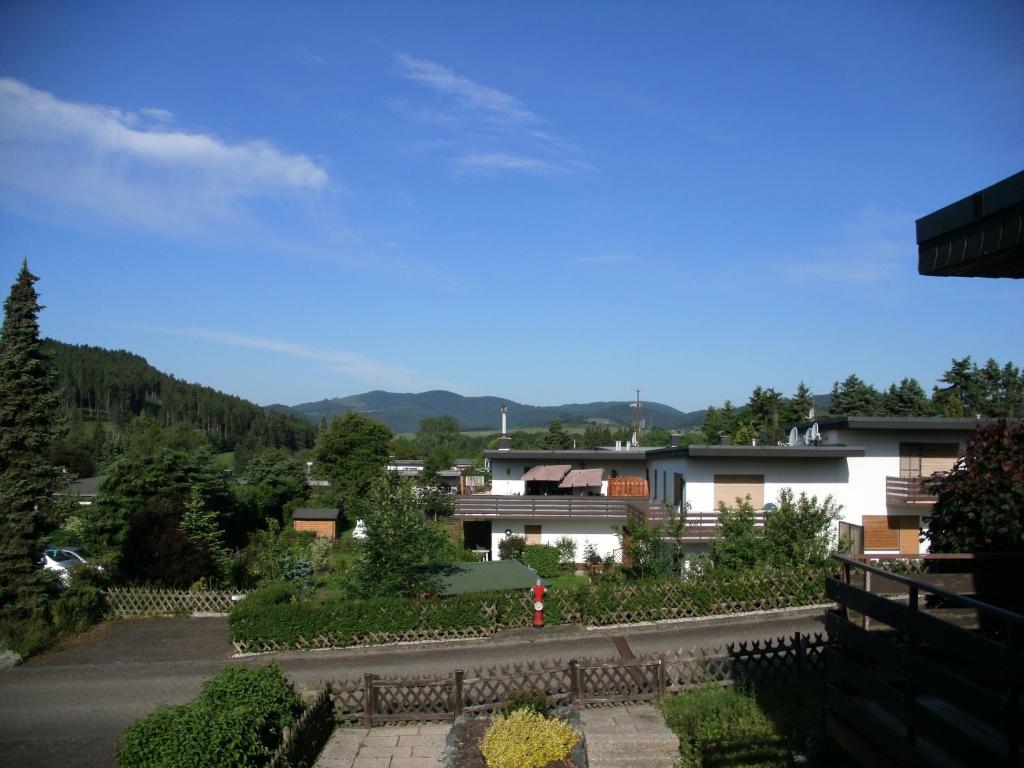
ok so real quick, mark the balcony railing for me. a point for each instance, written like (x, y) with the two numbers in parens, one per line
(700, 525)
(907, 490)
(487, 506)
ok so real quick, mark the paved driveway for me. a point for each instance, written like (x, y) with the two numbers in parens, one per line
(67, 707)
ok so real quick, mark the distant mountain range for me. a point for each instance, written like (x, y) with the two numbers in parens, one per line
(402, 412)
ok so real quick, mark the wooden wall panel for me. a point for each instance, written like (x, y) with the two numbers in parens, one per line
(881, 532)
(728, 488)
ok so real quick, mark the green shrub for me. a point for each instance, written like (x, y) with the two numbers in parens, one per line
(525, 739)
(512, 548)
(524, 698)
(543, 559)
(80, 605)
(566, 546)
(236, 722)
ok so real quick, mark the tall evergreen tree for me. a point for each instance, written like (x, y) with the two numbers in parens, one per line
(907, 399)
(29, 425)
(854, 398)
(799, 405)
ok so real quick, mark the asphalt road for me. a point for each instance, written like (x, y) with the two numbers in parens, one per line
(67, 707)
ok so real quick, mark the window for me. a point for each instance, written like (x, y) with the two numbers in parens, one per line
(896, 533)
(532, 534)
(728, 488)
(924, 459)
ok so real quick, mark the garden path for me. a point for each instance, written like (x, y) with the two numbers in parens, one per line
(393, 746)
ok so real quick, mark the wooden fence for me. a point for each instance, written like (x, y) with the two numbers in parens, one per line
(302, 742)
(126, 602)
(374, 700)
(931, 677)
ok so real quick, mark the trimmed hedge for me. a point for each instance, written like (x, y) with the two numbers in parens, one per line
(280, 614)
(544, 559)
(236, 722)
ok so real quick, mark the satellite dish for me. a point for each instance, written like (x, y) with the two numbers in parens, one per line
(794, 436)
(815, 433)
(807, 437)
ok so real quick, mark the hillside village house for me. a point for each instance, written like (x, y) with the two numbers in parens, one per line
(871, 466)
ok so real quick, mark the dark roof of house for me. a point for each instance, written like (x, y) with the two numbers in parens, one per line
(630, 454)
(760, 451)
(902, 422)
(498, 575)
(979, 236)
(85, 486)
(311, 513)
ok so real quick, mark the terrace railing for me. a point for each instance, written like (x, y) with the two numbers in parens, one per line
(909, 491)
(923, 674)
(484, 506)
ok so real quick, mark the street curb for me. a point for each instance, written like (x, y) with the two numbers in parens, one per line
(559, 631)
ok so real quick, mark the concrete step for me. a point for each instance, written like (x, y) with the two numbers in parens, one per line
(631, 743)
(633, 762)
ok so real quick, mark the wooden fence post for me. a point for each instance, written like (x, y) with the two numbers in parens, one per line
(661, 678)
(574, 682)
(457, 693)
(800, 648)
(368, 700)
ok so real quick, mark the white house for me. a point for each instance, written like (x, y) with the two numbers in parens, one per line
(871, 466)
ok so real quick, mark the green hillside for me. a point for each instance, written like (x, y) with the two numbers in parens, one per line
(403, 411)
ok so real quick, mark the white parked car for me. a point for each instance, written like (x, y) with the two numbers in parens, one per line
(63, 560)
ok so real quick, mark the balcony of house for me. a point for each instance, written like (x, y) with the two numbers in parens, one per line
(485, 506)
(701, 525)
(908, 491)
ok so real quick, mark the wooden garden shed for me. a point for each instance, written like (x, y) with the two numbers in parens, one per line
(321, 521)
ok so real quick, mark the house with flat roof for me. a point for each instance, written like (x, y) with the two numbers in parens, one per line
(872, 466)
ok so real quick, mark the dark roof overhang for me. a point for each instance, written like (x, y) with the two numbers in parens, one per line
(760, 452)
(315, 513)
(979, 236)
(631, 454)
(905, 423)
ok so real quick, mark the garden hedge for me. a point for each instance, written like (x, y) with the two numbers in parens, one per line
(236, 722)
(282, 616)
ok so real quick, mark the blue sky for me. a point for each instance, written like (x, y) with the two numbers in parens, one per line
(529, 200)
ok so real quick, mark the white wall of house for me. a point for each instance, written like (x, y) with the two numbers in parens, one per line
(815, 477)
(507, 474)
(582, 530)
(864, 492)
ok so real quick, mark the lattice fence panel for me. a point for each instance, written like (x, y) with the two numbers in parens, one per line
(412, 698)
(127, 603)
(488, 688)
(302, 742)
(347, 697)
(617, 682)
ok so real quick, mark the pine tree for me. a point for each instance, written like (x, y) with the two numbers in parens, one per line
(29, 404)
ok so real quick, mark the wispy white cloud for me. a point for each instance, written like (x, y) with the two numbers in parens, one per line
(491, 162)
(489, 130)
(98, 159)
(374, 372)
(470, 94)
(157, 114)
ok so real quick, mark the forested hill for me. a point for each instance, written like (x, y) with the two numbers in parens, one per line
(403, 411)
(117, 386)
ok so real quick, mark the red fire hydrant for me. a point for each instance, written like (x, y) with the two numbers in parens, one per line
(538, 605)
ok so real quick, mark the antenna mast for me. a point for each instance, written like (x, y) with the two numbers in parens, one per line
(638, 423)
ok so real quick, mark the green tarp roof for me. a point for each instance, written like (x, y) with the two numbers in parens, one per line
(487, 577)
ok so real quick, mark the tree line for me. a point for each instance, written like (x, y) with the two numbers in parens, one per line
(104, 394)
(965, 390)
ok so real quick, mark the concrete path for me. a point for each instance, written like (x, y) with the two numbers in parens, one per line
(400, 746)
(629, 736)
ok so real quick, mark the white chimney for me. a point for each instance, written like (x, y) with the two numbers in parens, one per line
(504, 420)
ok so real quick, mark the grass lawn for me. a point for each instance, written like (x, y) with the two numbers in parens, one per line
(770, 724)
(567, 581)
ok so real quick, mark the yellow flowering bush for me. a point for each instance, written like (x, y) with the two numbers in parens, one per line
(526, 739)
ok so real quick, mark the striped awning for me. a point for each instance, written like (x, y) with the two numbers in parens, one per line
(547, 473)
(582, 478)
